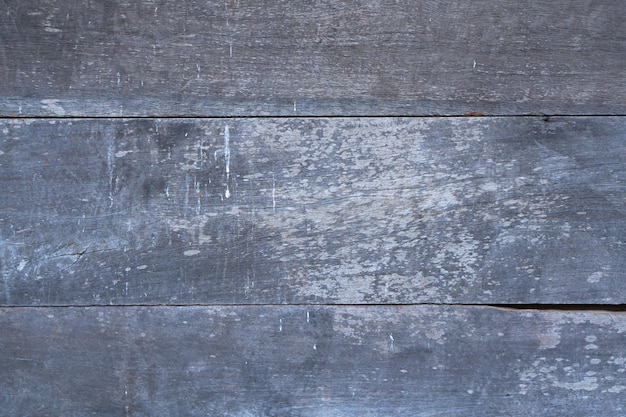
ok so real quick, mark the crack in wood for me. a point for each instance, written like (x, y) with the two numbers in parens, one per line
(587, 308)
(545, 116)
(565, 308)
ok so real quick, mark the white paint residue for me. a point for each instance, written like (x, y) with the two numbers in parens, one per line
(391, 340)
(22, 265)
(53, 106)
(588, 384)
(227, 158)
(110, 165)
(490, 186)
(273, 193)
(595, 277)
(280, 325)
(191, 252)
(591, 339)
(551, 338)
(120, 154)
(227, 151)
(436, 335)
(142, 267)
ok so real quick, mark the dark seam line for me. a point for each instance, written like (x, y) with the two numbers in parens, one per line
(408, 116)
(563, 307)
(571, 308)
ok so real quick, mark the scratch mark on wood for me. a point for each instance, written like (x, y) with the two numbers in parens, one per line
(227, 159)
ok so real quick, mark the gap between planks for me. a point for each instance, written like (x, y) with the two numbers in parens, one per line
(546, 116)
(565, 308)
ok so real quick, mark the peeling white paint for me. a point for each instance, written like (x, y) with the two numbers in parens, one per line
(191, 252)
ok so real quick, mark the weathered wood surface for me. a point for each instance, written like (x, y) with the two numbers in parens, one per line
(310, 361)
(168, 58)
(369, 210)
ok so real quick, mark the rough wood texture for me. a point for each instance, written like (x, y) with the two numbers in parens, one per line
(310, 361)
(168, 58)
(383, 210)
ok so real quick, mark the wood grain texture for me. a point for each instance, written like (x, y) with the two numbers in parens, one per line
(356, 210)
(310, 361)
(388, 57)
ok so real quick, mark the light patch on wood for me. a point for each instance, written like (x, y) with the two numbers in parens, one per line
(587, 384)
(120, 154)
(551, 338)
(595, 277)
(53, 106)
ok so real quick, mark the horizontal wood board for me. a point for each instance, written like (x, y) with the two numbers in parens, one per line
(337, 210)
(236, 57)
(310, 361)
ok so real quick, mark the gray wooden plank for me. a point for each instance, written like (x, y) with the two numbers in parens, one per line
(366, 210)
(310, 361)
(389, 57)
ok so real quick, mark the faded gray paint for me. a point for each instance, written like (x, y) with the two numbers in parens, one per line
(378, 210)
(310, 361)
(147, 58)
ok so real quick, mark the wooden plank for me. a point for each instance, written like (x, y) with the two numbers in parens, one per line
(400, 57)
(366, 210)
(310, 361)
